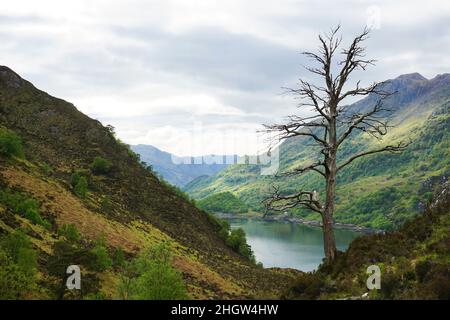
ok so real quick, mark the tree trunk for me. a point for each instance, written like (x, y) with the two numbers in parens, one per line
(331, 172)
(327, 220)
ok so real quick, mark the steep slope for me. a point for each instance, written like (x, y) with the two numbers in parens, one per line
(127, 206)
(380, 191)
(179, 170)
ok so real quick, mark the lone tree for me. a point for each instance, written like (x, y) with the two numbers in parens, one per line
(330, 124)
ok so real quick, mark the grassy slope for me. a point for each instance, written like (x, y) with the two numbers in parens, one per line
(142, 212)
(379, 191)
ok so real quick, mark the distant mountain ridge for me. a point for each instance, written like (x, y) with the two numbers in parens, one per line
(180, 171)
(380, 191)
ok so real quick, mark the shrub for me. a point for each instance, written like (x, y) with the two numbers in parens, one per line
(106, 204)
(66, 253)
(118, 258)
(70, 232)
(238, 242)
(81, 187)
(46, 169)
(100, 166)
(14, 282)
(14, 242)
(18, 265)
(10, 144)
(102, 259)
(307, 286)
(24, 205)
(152, 277)
(76, 176)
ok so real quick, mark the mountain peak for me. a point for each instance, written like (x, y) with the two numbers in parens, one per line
(9, 78)
(411, 76)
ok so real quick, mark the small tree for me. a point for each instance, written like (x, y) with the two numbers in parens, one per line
(102, 259)
(81, 187)
(152, 277)
(330, 125)
(100, 166)
(70, 232)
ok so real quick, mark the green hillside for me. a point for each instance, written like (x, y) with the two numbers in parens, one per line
(71, 193)
(380, 191)
(225, 201)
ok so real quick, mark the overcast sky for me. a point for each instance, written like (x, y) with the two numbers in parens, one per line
(164, 71)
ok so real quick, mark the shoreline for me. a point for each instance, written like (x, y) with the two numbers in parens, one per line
(296, 220)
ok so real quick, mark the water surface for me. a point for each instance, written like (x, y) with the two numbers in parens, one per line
(289, 245)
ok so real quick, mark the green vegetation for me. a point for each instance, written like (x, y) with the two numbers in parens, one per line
(81, 188)
(70, 232)
(152, 277)
(238, 242)
(80, 182)
(223, 202)
(46, 168)
(23, 205)
(18, 266)
(102, 261)
(381, 191)
(100, 165)
(414, 262)
(10, 143)
(67, 253)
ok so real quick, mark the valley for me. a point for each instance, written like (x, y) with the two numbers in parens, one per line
(378, 192)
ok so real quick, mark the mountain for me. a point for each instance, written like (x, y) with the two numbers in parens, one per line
(71, 193)
(181, 170)
(380, 191)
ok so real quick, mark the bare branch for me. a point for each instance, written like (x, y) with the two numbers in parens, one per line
(367, 122)
(312, 167)
(279, 202)
(400, 147)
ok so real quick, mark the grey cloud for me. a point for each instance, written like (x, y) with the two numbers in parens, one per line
(214, 56)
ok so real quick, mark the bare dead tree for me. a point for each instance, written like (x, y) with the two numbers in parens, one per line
(331, 124)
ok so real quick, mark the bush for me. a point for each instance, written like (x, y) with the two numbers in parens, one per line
(70, 232)
(23, 205)
(118, 258)
(307, 286)
(45, 167)
(15, 283)
(67, 253)
(76, 176)
(106, 204)
(100, 166)
(10, 144)
(238, 242)
(102, 259)
(81, 187)
(18, 266)
(152, 277)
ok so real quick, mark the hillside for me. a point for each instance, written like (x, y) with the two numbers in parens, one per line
(380, 191)
(414, 262)
(226, 201)
(74, 176)
(179, 170)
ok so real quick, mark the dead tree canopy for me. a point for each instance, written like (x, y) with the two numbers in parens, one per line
(330, 121)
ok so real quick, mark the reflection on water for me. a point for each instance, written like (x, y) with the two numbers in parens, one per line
(289, 245)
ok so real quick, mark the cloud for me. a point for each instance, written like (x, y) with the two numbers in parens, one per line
(157, 69)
